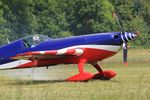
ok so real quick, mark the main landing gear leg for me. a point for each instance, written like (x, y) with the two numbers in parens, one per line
(82, 76)
(103, 75)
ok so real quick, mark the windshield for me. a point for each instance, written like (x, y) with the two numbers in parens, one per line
(34, 40)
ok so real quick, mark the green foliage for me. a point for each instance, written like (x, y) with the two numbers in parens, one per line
(57, 18)
(90, 16)
(132, 15)
(63, 34)
(4, 31)
(50, 18)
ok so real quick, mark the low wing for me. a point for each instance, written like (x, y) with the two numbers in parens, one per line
(49, 54)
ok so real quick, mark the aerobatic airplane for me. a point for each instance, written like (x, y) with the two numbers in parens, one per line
(39, 50)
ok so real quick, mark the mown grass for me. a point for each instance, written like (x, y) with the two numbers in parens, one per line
(131, 83)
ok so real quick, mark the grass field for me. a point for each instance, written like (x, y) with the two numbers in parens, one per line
(131, 83)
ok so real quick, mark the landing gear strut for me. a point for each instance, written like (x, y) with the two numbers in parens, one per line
(85, 76)
(82, 76)
(103, 75)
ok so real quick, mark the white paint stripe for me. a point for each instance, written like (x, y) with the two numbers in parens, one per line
(78, 52)
(42, 52)
(134, 35)
(61, 51)
(126, 37)
(130, 35)
(112, 48)
(13, 64)
(122, 38)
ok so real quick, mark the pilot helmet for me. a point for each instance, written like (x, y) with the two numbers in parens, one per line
(36, 39)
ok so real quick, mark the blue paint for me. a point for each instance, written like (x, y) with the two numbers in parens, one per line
(97, 39)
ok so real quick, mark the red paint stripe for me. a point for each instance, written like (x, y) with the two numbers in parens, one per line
(31, 53)
(53, 52)
(70, 52)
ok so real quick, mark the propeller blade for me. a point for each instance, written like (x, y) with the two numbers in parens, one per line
(125, 54)
(119, 23)
(125, 38)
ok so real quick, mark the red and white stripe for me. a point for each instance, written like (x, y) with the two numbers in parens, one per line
(14, 64)
(75, 52)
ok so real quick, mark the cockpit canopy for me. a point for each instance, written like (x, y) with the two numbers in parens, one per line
(34, 40)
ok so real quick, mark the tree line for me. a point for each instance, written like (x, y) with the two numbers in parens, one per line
(61, 18)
